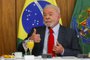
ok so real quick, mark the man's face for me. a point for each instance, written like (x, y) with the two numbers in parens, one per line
(51, 17)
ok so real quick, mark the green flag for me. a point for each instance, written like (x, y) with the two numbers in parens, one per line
(81, 23)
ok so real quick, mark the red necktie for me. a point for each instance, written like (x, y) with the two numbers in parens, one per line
(51, 42)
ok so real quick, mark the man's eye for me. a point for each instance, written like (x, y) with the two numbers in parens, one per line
(50, 14)
(44, 15)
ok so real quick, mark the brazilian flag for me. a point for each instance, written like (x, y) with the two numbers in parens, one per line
(81, 23)
(31, 16)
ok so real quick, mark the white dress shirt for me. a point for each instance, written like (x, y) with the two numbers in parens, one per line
(56, 31)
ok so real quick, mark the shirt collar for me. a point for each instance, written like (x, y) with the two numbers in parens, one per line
(55, 29)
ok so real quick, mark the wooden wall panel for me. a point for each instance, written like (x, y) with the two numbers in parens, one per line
(0, 26)
(7, 27)
(63, 9)
(70, 9)
(66, 8)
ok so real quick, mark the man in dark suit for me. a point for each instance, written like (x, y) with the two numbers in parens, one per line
(66, 42)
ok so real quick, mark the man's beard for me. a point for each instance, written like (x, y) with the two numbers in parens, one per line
(48, 25)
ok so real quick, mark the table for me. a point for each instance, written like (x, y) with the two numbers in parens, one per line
(56, 58)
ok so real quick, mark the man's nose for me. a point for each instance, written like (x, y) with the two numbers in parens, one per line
(47, 17)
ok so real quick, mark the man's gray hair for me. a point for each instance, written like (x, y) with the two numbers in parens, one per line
(53, 6)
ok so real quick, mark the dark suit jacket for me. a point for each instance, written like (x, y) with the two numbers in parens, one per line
(67, 38)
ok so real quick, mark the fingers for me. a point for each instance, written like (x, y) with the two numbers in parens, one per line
(35, 36)
(57, 43)
(58, 49)
(34, 32)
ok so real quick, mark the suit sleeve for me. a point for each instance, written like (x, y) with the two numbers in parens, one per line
(75, 46)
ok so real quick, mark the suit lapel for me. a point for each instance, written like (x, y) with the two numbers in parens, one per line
(61, 35)
(42, 37)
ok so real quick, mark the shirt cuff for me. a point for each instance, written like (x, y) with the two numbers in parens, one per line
(62, 52)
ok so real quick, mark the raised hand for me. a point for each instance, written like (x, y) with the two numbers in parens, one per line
(58, 49)
(35, 37)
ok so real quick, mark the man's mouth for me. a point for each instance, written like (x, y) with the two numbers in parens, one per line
(47, 21)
